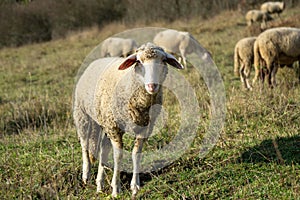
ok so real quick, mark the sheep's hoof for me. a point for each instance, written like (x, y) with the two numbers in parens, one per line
(116, 190)
(84, 181)
(134, 189)
(100, 188)
(115, 194)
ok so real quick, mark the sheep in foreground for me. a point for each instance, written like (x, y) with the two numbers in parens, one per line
(116, 47)
(275, 47)
(243, 59)
(273, 7)
(175, 42)
(115, 95)
(257, 16)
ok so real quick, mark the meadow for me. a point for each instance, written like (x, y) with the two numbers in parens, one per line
(256, 157)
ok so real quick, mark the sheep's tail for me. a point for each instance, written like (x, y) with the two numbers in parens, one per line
(236, 62)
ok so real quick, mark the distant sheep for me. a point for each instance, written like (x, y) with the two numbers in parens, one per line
(273, 7)
(176, 42)
(114, 95)
(244, 59)
(257, 16)
(275, 47)
(117, 47)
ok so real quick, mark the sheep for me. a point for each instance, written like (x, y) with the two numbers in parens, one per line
(115, 47)
(273, 7)
(273, 48)
(175, 42)
(243, 59)
(115, 95)
(257, 16)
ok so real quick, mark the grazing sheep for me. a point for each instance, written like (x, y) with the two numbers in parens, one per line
(275, 47)
(175, 42)
(257, 16)
(273, 7)
(115, 95)
(116, 47)
(243, 59)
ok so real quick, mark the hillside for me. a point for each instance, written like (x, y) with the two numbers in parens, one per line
(256, 157)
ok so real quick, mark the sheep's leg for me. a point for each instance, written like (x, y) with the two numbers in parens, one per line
(269, 76)
(136, 159)
(257, 74)
(105, 147)
(247, 72)
(83, 123)
(242, 73)
(182, 52)
(86, 165)
(118, 154)
(273, 75)
(263, 74)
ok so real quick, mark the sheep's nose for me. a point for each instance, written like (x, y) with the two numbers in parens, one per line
(152, 88)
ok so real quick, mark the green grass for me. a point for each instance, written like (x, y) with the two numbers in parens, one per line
(256, 157)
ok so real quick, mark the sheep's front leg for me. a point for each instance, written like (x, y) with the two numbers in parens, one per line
(118, 154)
(136, 159)
(105, 147)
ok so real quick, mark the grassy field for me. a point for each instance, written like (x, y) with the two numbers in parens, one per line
(257, 156)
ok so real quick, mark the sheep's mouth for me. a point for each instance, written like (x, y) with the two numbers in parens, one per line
(152, 88)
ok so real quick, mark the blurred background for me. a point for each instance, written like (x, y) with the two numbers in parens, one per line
(30, 21)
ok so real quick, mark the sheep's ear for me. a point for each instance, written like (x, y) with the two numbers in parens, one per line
(171, 60)
(129, 61)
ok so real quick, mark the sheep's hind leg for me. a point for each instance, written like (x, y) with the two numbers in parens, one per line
(136, 158)
(118, 154)
(86, 165)
(105, 147)
(273, 75)
(83, 124)
(247, 76)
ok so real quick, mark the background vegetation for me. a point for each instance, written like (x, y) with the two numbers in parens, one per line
(28, 21)
(257, 156)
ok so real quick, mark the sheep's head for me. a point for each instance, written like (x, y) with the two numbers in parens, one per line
(150, 64)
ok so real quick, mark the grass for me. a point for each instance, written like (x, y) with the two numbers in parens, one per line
(257, 156)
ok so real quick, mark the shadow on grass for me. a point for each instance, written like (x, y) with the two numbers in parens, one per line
(284, 150)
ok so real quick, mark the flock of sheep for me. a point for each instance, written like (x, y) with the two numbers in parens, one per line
(273, 48)
(264, 14)
(115, 93)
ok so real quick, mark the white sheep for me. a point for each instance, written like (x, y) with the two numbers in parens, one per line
(176, 42)
(116, 47)
(257, 16)
(115, 95)
(273, 7)
(243, 59)
(273, 48)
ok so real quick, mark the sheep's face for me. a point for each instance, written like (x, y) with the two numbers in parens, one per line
(151, 66)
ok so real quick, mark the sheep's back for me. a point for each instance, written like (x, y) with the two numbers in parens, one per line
(169, 39)
(245, 48)
(93, 84)
(278, 41)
